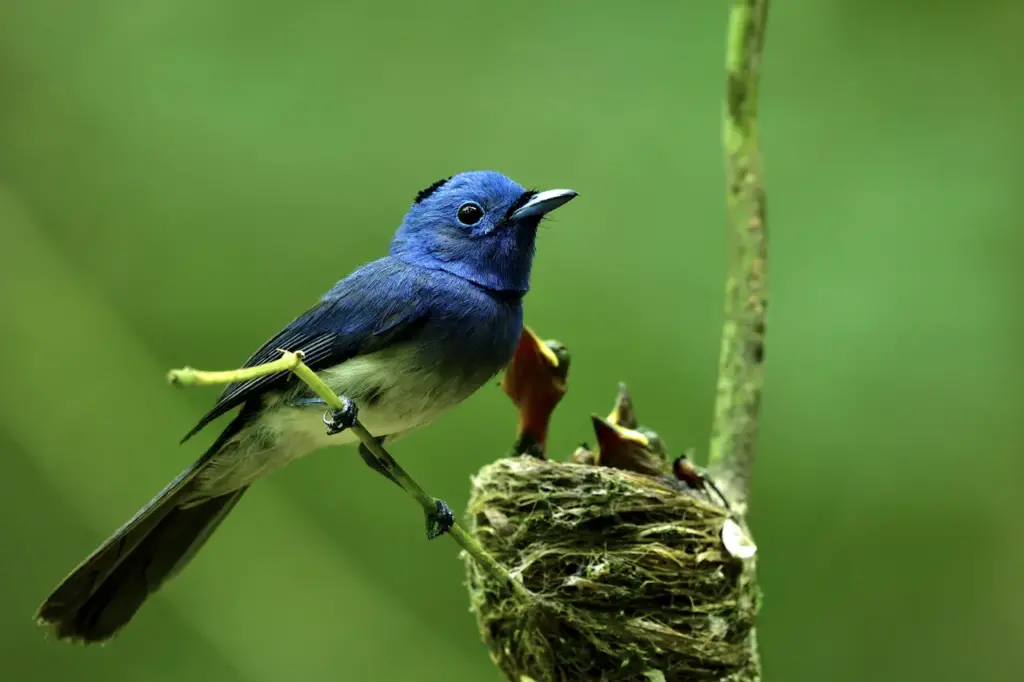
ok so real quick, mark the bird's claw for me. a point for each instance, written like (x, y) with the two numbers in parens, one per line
(339, 420)
(440, 521)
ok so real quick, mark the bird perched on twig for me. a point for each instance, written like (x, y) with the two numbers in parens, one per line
(401, 339)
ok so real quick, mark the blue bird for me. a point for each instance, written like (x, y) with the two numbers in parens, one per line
(403, 338)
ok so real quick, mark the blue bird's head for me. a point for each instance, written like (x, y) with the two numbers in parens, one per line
(480, 226)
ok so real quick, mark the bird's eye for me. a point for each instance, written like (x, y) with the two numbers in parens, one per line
(470, 213)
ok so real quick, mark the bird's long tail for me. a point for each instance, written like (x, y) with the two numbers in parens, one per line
(104, 592)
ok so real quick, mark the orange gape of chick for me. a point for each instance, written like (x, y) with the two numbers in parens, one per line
(535, 379)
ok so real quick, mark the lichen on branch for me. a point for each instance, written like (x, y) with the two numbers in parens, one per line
(741, 363)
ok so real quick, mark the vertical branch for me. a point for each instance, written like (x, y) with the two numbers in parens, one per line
(741, 363)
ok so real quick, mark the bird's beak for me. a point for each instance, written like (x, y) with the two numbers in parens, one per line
(623, 413)
(543, 203)
(535, 380)
(613, 435)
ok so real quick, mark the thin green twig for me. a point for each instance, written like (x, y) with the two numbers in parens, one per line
(292, 362)
(741, 363)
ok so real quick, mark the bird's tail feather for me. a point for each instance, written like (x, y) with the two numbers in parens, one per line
(104, 592)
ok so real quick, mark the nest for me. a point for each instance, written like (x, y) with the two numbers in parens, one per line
(632, 577)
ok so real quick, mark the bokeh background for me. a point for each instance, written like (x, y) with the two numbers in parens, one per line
(178, 178)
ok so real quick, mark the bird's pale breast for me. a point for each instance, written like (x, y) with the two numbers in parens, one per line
(397, 389)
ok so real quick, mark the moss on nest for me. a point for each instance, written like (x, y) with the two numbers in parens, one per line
(630, 571)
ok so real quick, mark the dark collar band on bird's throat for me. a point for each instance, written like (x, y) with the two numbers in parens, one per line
(503, 295)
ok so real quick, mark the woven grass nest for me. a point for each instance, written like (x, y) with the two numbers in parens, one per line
(632, 576)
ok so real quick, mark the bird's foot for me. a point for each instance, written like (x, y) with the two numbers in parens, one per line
(339, 420)
(440, 521)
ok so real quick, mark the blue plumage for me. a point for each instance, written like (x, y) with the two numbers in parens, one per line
(405, 337)
(492, 253)
(467, 278)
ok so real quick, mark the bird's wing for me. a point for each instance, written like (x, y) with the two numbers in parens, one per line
(378, 304)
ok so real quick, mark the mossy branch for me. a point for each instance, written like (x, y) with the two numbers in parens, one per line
(741, 362)
(292, 362)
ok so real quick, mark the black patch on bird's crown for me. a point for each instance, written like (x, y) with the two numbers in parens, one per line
(520, 202)
(426, 192)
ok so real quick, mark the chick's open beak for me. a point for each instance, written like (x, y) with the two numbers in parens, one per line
(535, 380)
(613, 436)
(623, 413)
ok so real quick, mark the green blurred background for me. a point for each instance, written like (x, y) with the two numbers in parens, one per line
(178, 178)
